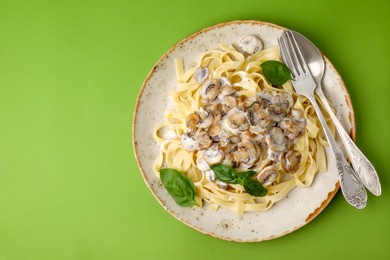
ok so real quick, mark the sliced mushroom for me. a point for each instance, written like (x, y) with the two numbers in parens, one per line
(229, 144)
(247, 136)
(201, 74)
(221, 184)
(229, 101)
(237, 119)
(256, 114)
(290, 130)
(210, 90)
(206, 118)
(188, 142)
(203, 141)
(241, 101)
(213, 155)
(300, 123)
(210, 175)
(265, 98)
(260, 121)
(273, 156)
(226, 90)
(267, 176)
(276, 140)
(286, 123)
(296, 114)
(245, 154)
(250, 44)
(293, 127)
(284, 100)
(276, 143)
(224, 81)
(214, 132)
(276, 113)
(202, 164)
(217, 111)
(290, 161)
(290, 143)
(192, 122)
(259, 139)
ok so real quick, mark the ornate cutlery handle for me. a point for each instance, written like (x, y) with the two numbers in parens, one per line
(363, 168)
(353, 190)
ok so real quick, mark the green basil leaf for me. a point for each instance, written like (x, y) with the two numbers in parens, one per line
(179, 186)
(254, 188)
(225, 173)
(275, 72)
(246, 175)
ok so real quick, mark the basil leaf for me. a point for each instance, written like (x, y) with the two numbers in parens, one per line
(179, 186)
(225, 173)
(275, 72)
(254, 188)
(246, 175)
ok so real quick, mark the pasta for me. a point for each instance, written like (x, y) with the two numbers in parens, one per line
(245, 76)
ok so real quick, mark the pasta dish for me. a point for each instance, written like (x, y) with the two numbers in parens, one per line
(226, 112)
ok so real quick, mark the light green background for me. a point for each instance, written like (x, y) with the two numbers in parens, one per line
(70, 72)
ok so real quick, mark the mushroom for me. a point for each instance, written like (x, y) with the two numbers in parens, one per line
(293, 127)
(226, 90)
(210, 90)
(284, 100)
(267, 176)
(229, 101)
(206, 118)
(259, 119)
(241, 101)
(224, 81)
(247, 136)
(214, 131)
(201, 74)
(237, 119)
(276, 113)
(221, 184)
(213, 155)
(290, 161)
(202, 164)
(250, 44)
(210, 175)
(229, 143)
(188, 142)
(265, 98)
(245, 154)
(203, 141)
(255, 113)
(217, 111)
(296, 114)
(192, 122)
(276, 140)
(276, 143)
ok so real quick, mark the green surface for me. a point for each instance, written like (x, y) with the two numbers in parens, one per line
(70, 72)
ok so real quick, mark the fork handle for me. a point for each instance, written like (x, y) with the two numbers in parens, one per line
(352, 189)
(362, 166)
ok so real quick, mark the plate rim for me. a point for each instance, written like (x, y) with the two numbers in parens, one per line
(312, 215)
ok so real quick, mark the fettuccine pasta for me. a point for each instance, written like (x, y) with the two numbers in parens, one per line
(244, 76)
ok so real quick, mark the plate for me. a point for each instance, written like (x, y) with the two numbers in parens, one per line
(298, 208)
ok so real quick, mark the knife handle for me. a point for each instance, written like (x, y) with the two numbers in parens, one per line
(362, 166)
(353, 190)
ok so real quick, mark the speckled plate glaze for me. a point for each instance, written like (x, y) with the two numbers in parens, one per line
(301, 205)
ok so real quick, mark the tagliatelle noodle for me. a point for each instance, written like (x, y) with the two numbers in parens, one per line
(246, 75)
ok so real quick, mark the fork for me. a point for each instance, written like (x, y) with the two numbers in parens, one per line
(304, 84)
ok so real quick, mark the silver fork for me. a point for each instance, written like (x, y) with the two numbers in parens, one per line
(304, 84)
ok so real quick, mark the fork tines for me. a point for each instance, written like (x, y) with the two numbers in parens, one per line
(292, 55)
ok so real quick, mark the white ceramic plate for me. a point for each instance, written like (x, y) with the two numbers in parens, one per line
(298, 208)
